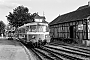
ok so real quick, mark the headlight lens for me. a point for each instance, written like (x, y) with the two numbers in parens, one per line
(33, 37)
(46, 36)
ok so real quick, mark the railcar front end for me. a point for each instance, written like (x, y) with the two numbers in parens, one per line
(36, 34)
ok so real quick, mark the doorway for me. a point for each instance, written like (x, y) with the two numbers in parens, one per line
(71, 32)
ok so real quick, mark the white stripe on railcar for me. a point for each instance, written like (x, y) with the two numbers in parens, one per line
(37, 32)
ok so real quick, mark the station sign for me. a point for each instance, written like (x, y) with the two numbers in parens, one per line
(80, 27)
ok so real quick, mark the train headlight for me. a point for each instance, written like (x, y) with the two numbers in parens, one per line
(46, 36)
(33, 37)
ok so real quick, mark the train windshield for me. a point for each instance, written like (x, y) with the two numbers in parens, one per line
(39, 28)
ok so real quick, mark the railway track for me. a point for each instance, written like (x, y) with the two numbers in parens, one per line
(53, 53)
(60, 55)
(77, 48)
(59, 44)
(62, 52)
(73, 53)
(45, 55)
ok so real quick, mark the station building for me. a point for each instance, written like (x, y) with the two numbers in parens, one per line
(75, 24)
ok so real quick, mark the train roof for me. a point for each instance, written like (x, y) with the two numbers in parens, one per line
(34, 23)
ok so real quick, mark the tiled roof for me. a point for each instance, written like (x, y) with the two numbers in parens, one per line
(44, 21)
(72, 16)
(83, 7)
(39, 17)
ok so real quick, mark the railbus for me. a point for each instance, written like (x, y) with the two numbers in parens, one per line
(35, 33)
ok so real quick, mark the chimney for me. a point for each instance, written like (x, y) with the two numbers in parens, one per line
(88, 3)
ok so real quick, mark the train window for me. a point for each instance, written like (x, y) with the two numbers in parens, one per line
(44, 28)
(33, 28)
(39, 28)
(22, 30)
(27, 28)
(21, 35)
(47, 29)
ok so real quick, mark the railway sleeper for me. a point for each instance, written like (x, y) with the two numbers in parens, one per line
(74, 49)
(55, 55)
(65, 54)
(73, 52)
(51, 54)
(43, 55)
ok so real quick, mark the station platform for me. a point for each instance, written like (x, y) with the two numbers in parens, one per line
(14, 50)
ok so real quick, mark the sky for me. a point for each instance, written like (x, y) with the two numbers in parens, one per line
(50, 8)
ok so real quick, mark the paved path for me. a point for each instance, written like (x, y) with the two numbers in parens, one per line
(14, 50)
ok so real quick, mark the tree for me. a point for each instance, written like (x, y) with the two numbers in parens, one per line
(20, 16)
(33, 16)
(2, 27)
